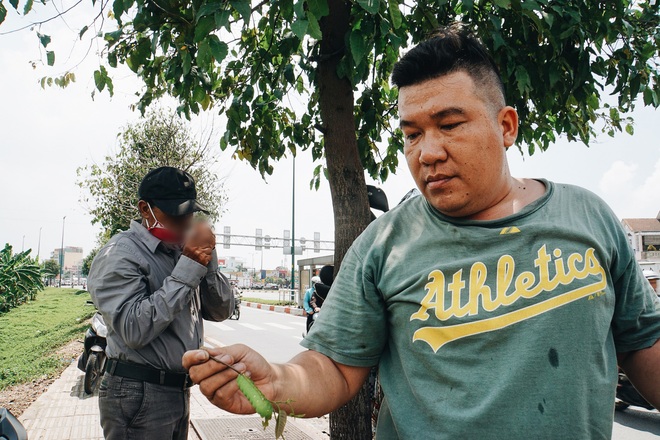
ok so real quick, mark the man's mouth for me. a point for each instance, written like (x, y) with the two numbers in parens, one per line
(438, 181)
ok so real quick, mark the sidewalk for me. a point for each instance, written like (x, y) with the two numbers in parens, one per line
(65, 412)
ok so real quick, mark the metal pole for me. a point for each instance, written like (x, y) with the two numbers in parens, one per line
(293, 227)
(62, 253)
(39, 245)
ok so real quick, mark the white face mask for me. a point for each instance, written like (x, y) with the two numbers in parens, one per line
(162, 233)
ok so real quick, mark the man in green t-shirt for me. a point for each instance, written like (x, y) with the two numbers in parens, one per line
(495, 307)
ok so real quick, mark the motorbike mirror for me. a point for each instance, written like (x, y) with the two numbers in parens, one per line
(377, 198)
(10, 427)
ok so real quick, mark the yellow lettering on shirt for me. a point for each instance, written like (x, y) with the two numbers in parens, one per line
(446, 302)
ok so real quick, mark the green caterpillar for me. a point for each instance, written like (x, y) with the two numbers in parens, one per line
(261, 405)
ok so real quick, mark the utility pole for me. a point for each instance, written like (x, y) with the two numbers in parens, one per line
(39, 245)
(293, 228)
(62, 253)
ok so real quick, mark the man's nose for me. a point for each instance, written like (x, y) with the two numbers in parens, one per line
(433, 150)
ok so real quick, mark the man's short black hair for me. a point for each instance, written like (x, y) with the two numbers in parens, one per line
(451, 49)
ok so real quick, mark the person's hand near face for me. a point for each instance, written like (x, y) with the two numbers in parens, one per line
(200, 242)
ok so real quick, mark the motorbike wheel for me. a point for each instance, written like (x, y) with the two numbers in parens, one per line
(92, 373)
(237, 313)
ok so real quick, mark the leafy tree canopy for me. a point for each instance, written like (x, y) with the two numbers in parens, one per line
(159, 139)
(248, 58)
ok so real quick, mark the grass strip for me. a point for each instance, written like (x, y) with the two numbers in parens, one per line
(31, 333)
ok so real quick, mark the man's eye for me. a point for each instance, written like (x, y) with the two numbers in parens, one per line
(412, 136)
(450, 126)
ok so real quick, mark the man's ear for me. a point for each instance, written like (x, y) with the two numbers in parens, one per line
(143, 207)
(508, 120)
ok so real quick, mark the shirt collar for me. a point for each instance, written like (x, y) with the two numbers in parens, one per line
(145, 236)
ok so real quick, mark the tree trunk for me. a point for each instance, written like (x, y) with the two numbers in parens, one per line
(347, 185)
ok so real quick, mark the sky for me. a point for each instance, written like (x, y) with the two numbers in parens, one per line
(46, 135)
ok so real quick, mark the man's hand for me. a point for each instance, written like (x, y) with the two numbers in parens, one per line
(217, 381)
(313, 383)
(200, 243)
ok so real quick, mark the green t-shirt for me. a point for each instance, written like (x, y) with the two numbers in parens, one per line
(502, 329)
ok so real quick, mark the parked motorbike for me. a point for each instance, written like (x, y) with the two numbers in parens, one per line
(92, 360)
(627, 395)
(10, 427)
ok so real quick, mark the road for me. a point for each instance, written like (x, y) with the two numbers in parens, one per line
(277, 336)
(636, 424)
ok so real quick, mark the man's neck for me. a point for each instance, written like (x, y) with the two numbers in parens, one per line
(520, 193)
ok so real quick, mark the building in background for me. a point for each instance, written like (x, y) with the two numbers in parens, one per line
(73, 258)
(644, 238)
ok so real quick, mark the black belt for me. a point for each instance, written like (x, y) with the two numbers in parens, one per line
(144, 373)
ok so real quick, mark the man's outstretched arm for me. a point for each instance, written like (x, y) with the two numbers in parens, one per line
(313, 383)
(643, 369)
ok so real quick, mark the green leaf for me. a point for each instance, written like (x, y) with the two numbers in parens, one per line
(395, 13)
(314, 29)
(318, 7)
(630, 129)
(3, 12)
(522, 78)
(45, 39)
(289, 74)
(243, 7)
(358, 47)
(371, 6)
(118, 9)
(204, 55)
(50, 57)
(186, 61)
(14, 3)
(99, 80)
(82, 32)
(222, 19)
(299, 8)
(506, 4)
(592, 101)
(208, 8)
(299, 28)
(199, 94)
(28, 6)
(204, 26)
(219, 49)
(112, 37)
(280, 423)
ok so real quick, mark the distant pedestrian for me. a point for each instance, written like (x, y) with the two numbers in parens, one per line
(309, 308)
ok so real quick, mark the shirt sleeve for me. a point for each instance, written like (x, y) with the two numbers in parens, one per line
(352, 325)
(216, 293)
(636, 320)
(307, 306)
(120, 291)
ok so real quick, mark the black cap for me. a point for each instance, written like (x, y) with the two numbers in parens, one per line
(172, 190)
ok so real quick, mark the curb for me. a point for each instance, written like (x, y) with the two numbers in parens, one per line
(279, 309)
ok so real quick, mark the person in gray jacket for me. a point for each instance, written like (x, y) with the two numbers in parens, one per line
(153, 284)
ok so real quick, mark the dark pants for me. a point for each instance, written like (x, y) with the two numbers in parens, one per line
(136, 410)
(310, 321)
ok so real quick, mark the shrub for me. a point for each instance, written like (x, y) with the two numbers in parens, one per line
(20, 278)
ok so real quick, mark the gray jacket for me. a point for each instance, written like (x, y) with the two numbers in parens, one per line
(151, 297)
